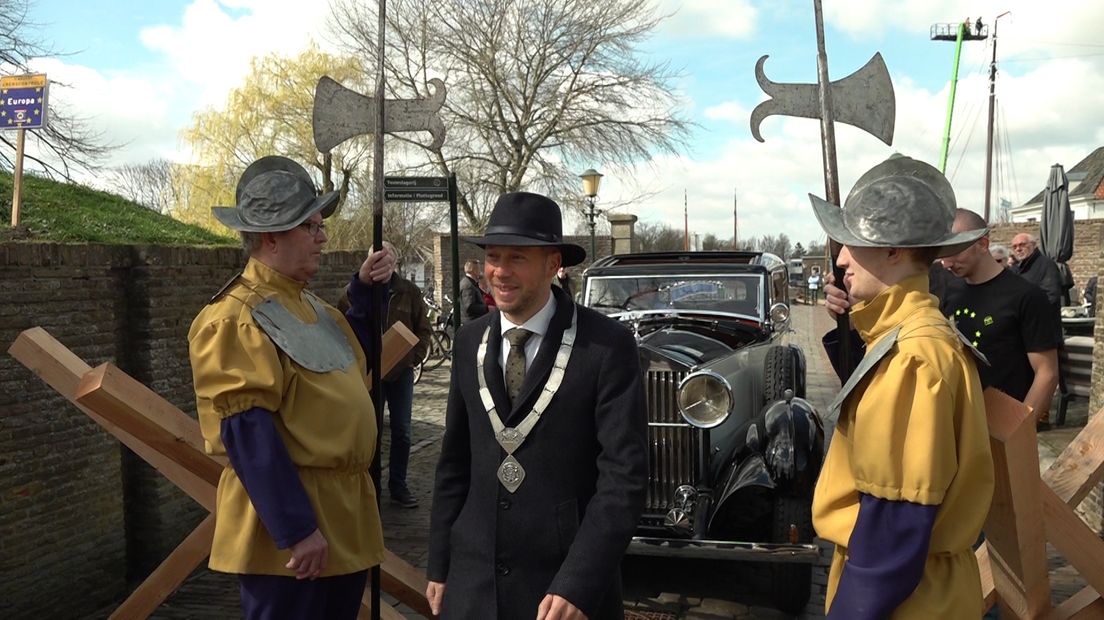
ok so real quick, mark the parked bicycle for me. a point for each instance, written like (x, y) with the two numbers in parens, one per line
(440, 342)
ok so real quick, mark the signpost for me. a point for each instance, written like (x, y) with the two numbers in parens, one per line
(415, 189)
(23, 100)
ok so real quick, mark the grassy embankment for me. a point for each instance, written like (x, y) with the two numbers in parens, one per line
(69, 213)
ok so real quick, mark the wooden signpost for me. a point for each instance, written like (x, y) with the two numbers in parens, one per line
(170, 441)
(23, 106)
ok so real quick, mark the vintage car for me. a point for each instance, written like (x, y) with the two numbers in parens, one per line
(734, 448)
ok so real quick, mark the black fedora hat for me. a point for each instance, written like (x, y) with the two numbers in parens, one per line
(275, 194)
(526, 219)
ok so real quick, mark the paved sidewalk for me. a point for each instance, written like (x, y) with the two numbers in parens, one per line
(212, 595)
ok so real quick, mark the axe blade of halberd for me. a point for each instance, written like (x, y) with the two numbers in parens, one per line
(341, 113)
(863, 99)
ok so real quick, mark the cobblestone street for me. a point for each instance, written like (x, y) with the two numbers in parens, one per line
(210, 595)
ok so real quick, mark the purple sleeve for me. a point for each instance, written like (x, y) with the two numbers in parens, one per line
(264, 467)
(361, 314)
(886, 557)
(831, 342)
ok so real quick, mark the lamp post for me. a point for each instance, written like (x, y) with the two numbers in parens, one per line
(591, 180)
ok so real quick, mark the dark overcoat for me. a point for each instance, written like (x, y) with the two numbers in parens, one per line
(566, 528)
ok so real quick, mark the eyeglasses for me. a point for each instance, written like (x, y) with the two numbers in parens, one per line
(314, 227)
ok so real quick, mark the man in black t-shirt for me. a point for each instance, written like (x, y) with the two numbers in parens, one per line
(1008, 319)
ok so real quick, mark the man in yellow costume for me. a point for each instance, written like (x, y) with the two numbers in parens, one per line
(280, 388)
(908, 478)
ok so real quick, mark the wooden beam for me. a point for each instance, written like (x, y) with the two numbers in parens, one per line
(172, 572)
(1085, 605)
(1073, 539)
(397, 342)
(985, 567)
(387, 612)
(62, 370)
(1080, 467)
(404, 582)
(1014, 527)
(138, 410)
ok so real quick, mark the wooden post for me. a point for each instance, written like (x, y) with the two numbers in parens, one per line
(17, 177)
(1014, 528)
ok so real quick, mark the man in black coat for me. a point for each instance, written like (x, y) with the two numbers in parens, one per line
(1038, 269)
(543, 464)
(471, 301)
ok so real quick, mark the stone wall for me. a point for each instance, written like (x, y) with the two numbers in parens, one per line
(82, 518)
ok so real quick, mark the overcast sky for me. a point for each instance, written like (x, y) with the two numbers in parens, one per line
(139, 69)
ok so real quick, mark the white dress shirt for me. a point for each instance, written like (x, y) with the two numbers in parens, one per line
(538, 324)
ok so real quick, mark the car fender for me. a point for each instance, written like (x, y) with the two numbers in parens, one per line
(749, 474)
(794, 447)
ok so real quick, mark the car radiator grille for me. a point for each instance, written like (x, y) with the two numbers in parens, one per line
(673, 445)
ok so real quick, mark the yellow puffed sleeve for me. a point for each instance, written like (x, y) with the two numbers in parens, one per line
(903, 435)
(235, 367)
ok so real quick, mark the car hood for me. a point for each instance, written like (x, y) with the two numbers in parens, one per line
(684, 347)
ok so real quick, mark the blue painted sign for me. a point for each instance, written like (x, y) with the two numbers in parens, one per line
(23, 101)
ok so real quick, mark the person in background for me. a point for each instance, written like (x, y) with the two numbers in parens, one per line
(404, 305)
(1090, 295)
(1008, 319)
(1038, 269)
(814, 284)
(908, 479)
(281, 390)
(472, 305)
(1000, 254)
(563, 279)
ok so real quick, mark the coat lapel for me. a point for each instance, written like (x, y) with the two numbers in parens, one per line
(546, 355)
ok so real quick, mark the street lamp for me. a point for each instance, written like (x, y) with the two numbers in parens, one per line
(591, 180)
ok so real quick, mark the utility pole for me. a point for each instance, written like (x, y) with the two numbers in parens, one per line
(957, 32)
(992, 104)
(735, 223)
(685, 223)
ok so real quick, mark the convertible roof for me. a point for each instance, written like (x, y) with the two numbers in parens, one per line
(674, 262)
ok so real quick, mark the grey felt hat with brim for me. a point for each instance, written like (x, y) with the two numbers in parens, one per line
(900, 203)
(275, 194)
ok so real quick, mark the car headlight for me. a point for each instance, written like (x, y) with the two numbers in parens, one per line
(704, 399)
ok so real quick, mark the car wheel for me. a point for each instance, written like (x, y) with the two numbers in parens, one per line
(779, 373)
(791, 584)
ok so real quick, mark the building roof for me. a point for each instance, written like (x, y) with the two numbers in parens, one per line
(1093, 169)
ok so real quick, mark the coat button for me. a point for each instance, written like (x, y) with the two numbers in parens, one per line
(504, 504)
(502, 569)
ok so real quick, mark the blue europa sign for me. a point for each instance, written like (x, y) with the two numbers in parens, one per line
(23, 101)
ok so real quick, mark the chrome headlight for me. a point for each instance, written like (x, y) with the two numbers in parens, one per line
(779, 314)
(704, 399)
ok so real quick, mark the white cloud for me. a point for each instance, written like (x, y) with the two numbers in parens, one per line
(213, 44)
(727, 18)
(731, 111)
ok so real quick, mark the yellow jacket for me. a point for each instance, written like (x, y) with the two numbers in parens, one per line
(326, 420)
(913, 430)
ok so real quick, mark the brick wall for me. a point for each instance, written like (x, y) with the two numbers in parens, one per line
(84, 517)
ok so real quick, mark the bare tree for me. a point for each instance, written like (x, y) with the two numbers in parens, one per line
(66, 142)
(149, 184)
(536, 89)
(778, 245)
(657, 237)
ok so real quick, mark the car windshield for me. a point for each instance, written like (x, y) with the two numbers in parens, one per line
(710, 293)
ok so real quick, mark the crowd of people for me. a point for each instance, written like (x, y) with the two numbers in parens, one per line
(543, 463)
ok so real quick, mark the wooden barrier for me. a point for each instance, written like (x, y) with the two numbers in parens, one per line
(1029, 510)
(170, 441)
